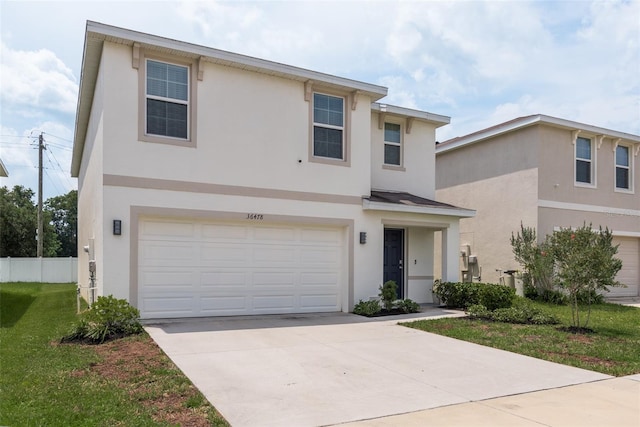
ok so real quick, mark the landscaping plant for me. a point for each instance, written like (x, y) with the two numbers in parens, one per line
(367, 308)
(535, 259)
(585, 265)
(107, 318)
(463, 295)
(388, 294)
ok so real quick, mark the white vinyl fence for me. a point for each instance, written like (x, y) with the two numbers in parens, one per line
(46, 270)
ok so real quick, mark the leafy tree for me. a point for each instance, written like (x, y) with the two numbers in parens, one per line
(535, 258)
(64, 219)
(585, 264)
(18, 224)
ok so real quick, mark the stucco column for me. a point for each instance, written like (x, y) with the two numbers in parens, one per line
(450, 253)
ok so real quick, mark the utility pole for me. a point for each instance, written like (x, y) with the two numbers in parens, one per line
(40, 217)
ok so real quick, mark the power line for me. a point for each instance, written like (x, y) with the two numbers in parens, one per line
(59, 137)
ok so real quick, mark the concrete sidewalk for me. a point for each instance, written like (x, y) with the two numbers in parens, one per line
(326, 369)
(612, 402)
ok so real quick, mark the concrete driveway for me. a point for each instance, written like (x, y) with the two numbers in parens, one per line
(323, 369)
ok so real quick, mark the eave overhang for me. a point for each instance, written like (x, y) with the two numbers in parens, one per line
(522, 122)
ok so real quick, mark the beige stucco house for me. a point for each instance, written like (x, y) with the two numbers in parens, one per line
(212, 183)
(547, 173)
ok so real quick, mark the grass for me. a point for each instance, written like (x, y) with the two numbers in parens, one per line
(613, 348)
(48, 384)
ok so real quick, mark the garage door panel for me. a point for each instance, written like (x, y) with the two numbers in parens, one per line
(228, 255)
(264, 255)
(167, 229)
(223, 304)
(168, 279)
(274, 234)
(232, 269)
(232, 280)
(169, 306)
(158, 253)
(312, 236)
(224, 232)
(629, 254)
(308, 279)
(283, 303)
(318, 302)
(328, 258)
(273, 280)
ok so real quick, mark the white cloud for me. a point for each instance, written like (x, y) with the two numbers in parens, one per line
(36, 80)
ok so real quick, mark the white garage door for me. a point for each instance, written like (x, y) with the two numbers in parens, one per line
(191, 268)
(629, 253)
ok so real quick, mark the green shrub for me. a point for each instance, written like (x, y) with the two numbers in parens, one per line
(479, 311)
(407, 306)
(367, 308)
(589, 296)
(553, 296)
(495, 296)
(107, 318)
(464, 295)
(388, 294)
(520, 313)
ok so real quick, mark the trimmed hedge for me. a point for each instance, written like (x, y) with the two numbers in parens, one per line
(464, 295)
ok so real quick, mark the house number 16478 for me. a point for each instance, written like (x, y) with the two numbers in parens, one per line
(258, 217)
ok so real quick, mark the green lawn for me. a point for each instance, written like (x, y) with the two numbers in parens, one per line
(613, 348)
(43, 383)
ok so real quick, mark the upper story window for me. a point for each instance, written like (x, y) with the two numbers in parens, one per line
(584, 161)
(328, 126)
(392, 144)
(167, 99)
(623, 168)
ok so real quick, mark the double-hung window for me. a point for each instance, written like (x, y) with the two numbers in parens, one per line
(623, 168)
(392, 144)
(328, 126)
(167, 99)
(584, 161)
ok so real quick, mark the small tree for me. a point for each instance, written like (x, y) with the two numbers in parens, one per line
(388, 294)
(534, 257)
(585, 264)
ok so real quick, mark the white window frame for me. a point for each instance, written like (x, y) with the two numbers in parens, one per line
(629, 169)
(592, 163)
(344, 160)
(399, 144)
(167, 99)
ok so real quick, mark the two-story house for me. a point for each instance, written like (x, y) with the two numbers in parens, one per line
(212, 183)
(547, 173)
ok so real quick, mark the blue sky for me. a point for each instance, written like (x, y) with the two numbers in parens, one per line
(479, 62)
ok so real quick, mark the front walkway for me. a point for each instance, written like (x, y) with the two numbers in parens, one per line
(322, 369)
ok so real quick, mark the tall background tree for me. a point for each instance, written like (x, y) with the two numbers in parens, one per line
(18, 224)
(64, 219)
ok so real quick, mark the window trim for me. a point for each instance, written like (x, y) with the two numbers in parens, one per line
(630, 189)
(346, 126)
(391, 166)
(592, 161)
(191, 140)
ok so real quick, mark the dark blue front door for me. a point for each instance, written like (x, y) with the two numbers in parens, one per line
(393, 256)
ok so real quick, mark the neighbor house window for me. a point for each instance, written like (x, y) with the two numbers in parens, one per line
(328, 126)
(584, 161)
(167, 99)
(623, 169)
(392, 144)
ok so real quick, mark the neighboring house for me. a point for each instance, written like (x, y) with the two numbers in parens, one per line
(212, 183)
(3, 170)
(546, 173)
